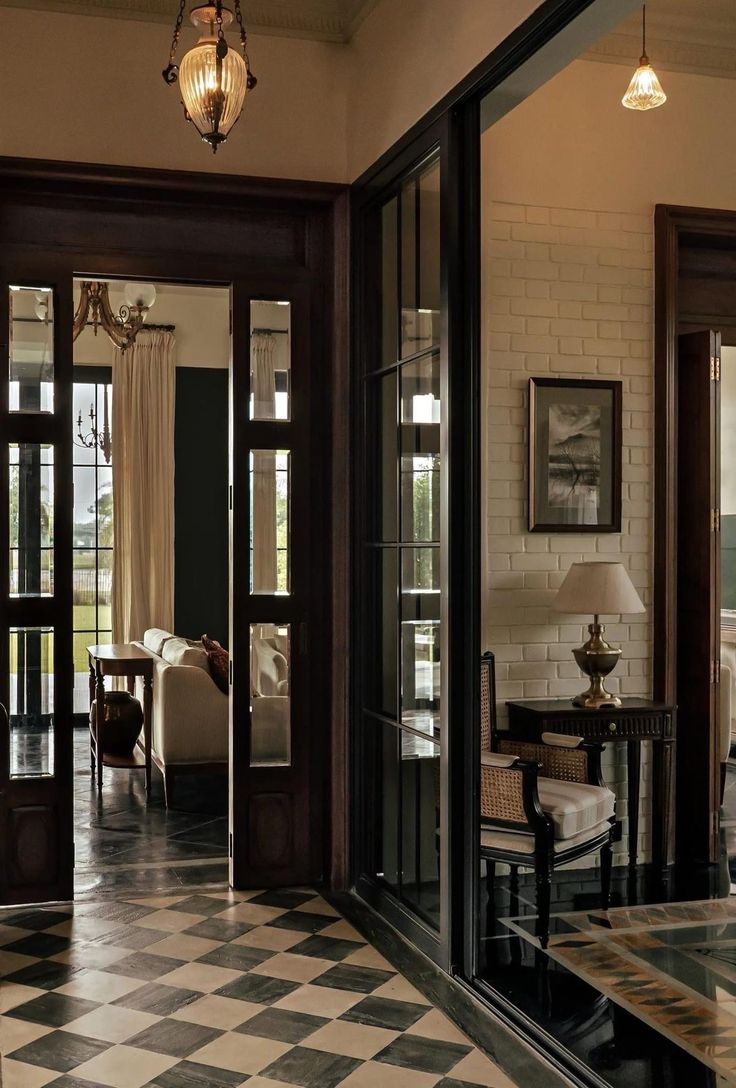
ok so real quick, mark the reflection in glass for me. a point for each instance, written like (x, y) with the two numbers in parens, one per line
(420, 450)
(31, 499)
(420, 638)
(269, 521)
(420, 262)
(270, 709)
(420, 802)
(270, 360)
(31, 356)
(31, 702)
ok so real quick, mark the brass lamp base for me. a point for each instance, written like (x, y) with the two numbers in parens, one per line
(597, 659)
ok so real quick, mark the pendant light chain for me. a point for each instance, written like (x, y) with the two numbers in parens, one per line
(171, 72)
(244, 45)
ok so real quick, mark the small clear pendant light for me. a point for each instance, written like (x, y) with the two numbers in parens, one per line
(645, 91)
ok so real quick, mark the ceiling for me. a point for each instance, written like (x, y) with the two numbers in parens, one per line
(685, 35)
(324, 20)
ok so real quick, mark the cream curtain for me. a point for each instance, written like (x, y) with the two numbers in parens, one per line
(143, 401)
(262, 351)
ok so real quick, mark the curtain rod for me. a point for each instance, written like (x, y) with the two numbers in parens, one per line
(268, 332)
(146, 325)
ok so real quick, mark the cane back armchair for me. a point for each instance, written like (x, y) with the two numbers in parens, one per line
(542, 805)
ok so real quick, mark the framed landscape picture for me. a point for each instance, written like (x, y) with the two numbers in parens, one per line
(574, 456)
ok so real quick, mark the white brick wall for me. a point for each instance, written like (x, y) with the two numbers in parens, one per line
(567, 293)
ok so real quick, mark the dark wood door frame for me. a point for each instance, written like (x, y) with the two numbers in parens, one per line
(671, 223)
(164, 225)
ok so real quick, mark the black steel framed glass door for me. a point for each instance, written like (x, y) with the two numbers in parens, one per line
(36, 833)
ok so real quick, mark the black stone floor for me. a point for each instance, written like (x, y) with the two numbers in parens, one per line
(125, 844)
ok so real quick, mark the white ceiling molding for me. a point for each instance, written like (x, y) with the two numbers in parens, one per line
(323, 20)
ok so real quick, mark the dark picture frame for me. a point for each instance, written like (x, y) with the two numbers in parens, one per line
(575, 429)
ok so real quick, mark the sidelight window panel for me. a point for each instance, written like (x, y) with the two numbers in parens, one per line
(270, 360)
(31, 500)
(270, 705)
(31, 703)
(31, 349)
(269, 521)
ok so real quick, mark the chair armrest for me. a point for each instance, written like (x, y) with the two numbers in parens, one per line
(561, 740)
(509, 796)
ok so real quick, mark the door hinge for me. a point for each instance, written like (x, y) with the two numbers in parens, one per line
(715, 368)
(715, 520)
(718, 368)
(715, 672)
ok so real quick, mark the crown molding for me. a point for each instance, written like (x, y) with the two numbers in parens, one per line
(320, 20)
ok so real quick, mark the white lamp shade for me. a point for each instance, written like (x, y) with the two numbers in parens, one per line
(142, 295)
(598, 589)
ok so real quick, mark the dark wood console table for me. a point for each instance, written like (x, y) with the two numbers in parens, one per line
(635, 721)
(129, 660)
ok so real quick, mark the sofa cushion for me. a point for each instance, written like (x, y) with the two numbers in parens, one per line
(179, 651)
(154, 639)
(575, 807)
(218, 660)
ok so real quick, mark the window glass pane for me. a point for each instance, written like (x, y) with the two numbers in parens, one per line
(390, 284)
(31, 362)
(420, 450)
(381, 815)
(381, 648)
(420, 638)
(381, 467)
(31, 702)
(84, 589)
(270, 360)
(420, 262)
(420, 804)
(104, 589)
(270, 667)
(269, 521)
(31, 498)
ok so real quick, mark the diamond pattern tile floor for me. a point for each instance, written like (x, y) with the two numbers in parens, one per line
(216, 990)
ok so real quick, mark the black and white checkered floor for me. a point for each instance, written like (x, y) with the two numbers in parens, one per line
(214, 990)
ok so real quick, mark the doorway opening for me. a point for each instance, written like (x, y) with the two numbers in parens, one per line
(150, 570)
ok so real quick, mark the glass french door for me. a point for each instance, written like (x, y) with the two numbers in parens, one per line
(36, 763)
(276, 771)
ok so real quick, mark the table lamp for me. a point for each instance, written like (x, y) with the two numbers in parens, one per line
(597, 589)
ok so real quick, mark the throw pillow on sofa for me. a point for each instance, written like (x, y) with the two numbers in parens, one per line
(219, 662)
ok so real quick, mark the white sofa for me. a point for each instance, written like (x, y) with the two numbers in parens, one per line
(190, 721)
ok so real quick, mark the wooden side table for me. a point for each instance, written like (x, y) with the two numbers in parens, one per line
(636, 720)
(123, 659)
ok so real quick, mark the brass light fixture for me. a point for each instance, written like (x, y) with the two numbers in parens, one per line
(645, 91)
(122, 327)
(213, 78)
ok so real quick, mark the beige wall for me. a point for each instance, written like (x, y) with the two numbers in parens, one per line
(406, 55)
(89, 89)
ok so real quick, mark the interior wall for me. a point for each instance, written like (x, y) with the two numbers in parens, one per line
(89, 89)
(406, 56)
(570, 183)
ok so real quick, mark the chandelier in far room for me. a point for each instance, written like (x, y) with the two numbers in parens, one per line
(213, 78)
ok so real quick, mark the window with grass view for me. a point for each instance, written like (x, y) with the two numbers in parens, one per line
(93, 540)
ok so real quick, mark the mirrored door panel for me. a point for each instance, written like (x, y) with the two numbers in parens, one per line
(276, 621)
(36, 836)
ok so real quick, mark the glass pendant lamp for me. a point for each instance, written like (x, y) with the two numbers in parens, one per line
(214, 79)
(645, 91)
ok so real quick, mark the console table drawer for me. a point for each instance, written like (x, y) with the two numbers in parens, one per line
(607, 728)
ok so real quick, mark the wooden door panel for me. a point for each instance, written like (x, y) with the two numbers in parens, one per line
(698, 594)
